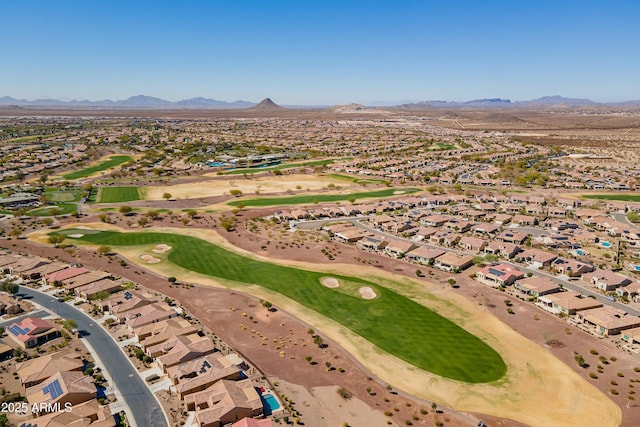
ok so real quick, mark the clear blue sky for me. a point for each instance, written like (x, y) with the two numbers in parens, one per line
(320, 52)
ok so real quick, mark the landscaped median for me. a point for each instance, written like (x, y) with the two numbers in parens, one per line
(427, 340)
(321, 198)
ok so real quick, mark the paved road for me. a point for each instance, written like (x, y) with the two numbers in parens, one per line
(39, 314)
(146, 410)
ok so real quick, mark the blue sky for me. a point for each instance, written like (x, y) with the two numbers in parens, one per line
(320, 52)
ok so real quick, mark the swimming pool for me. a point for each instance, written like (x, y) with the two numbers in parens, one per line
(581, 252)
(605, 244)
(635, 267)
(270, 404)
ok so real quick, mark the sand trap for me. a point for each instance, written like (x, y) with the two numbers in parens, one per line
(150, 259)
(75, 235)
(399, 192)
(83, 227)
(161, 248)
(330, 282)
(367, 293)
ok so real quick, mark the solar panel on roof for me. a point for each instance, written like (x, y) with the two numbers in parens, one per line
(54, 388)
(127, 295)
(496, 272)
(205, 366)
(17, 330)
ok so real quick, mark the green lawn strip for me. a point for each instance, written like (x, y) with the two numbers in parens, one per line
(63, 208)
(391, 321)
(119, 194)
(618, 197)
(321, 198)
(112, 162)
(280, 167)
(356, 179)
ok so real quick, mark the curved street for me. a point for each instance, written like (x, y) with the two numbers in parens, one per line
(144, 407)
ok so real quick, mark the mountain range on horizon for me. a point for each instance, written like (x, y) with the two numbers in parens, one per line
(150, 102)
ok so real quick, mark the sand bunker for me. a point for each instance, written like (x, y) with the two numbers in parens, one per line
(367, 293)
(399, 192)
(83, 227)
(75, 235)
(150, 259)
(330, 282)
(161, 248)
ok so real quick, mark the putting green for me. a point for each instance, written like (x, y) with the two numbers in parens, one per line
(394, 323)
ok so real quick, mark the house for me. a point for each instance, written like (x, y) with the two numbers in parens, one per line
(252, 422)
(632, 336)
(536, 286)
(119, 304)
(373, 243)
(64, 387)
(199, 374)
(567, 303)
(453, 262)
(435, 220)
(485, 228)
(151, 313)
(630, 292)
(499, 275)
(510, 236)
(398, 248)
(180, 349)
(74, 282)
(524, 220)
(32, 332)
(425, 232)
(506, 250)
(424, 255)
(571, 267)
(8, 305)
(6, 351)
(608, 320)
(472, 244)
(225, 402)
(62, 275)
(104, 286)
(34, 371)
(156, 333)
(606, 280)
(87, 414)
(502, 219)
(537, 258)
(351, 235)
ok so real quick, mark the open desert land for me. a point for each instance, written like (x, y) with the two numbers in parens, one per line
(525, 393)
(255, 185)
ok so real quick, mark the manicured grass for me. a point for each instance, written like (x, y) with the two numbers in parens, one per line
(112, 162)
(63, 195)
(118, 194)
(357, 180)
(63, 208)
(280, 167)
(620, 197)
(320, 198)
(391, 321)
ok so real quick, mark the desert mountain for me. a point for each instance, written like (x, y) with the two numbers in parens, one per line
(267, 105)
(139, 101)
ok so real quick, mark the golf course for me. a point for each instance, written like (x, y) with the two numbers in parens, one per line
(428, 340)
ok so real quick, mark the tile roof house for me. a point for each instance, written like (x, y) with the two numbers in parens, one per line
(499, 275)
(424, 255)
(536, 286)
(200, 374)
(453, 262)
(35, 371)
(151, 313)
(606, 280)
(31, 332)
(397, 248)
(225, 402)
(608, 320)
(64, 387)
(180, 349)
(87, 414)
(567, 303)
(157, 333)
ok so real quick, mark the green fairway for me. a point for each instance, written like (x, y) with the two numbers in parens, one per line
(59, 209)
(119, 194)
(618, 197)
(356, 180)
(322, 198)
(112, 162)
(280, 167)
(392, 322)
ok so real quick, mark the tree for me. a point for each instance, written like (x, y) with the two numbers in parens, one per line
(633, 216)
(104, 250)
(143, 221)
(9, 287)
(69, 324)
(235, 192)
(172, 279)
(267, 305)
(308, 359)
(125, 210)
(56, 239)
(192, 213)
(451, 281)
(167, 196)
(46, 221)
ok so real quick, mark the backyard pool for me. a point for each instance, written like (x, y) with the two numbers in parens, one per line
(270, 403)
(635, 267)
(581, 252)
(605, 244)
